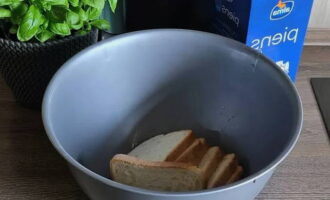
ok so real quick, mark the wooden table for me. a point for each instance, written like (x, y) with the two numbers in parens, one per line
(31, 169)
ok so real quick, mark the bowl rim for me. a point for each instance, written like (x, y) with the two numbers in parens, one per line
(267, 169)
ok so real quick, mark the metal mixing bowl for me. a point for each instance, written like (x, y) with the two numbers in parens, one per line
(124, 90)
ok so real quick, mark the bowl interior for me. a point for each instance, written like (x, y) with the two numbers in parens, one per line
(121, 92)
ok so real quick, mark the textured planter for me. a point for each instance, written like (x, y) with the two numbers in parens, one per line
(28, 67)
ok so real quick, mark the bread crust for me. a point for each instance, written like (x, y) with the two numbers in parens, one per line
(141, 162)
(194, 153)
(189, 159)
(224, 171)
(210, 161)
(136, 162)
(236, 175)
(181, 147)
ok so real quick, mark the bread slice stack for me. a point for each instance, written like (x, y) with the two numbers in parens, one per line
(164, 147)
(162, 176)
(175, 162)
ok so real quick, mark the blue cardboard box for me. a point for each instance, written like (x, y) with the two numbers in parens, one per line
(276, 28)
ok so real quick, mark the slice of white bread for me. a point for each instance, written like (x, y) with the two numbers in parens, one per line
(210, 161)
(194, 153)
(224, 171)
(161, 176)
(236, 175)
(164, 147)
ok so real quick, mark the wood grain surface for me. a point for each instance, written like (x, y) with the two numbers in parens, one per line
(31, 169)
(318, 37)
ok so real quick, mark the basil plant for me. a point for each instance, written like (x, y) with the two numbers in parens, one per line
(50, 19)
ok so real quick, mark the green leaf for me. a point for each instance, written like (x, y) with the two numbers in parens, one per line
(37, 3)
(9, 2)
(101, 24)
(43, 20)
(72, 18)
(13, 29)
(57, 14)
(4, 13)
(44, 35)
(14, 5)
(30, 23)
(99, 4)
(87, 26)
(18, 11)
(82, 14)
(77, 26)
(62, 29)
(93, 13)
(82, 32)
(57, 2)
(113, 5)
(47, 4)
(82, 18)
(74, 3)
(45, 24)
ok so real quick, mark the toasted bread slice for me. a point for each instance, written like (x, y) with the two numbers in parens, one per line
(223, 172)
(161, 176)
(210, 161)
(164, 147)
(236, 175)
(194, 153)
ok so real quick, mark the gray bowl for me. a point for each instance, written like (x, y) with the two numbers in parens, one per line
(124, 90)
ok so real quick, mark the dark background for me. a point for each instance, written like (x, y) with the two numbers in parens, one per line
(187, 14)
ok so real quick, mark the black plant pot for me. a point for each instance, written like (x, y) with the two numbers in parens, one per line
(28, 67)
